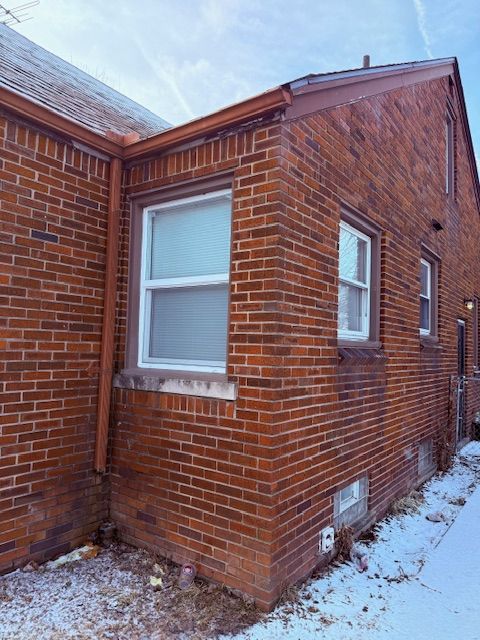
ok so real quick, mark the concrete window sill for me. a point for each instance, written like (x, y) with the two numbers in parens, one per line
(219, 389)
(430, 342)
(361, 354)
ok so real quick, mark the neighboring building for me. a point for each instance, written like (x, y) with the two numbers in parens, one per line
(287, 317)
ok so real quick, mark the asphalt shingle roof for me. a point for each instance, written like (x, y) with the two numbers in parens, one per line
(42, 77)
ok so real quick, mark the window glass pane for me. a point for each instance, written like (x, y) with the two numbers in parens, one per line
(424, 279)
(353, 256)
(191, 239)
(449, 170)
(352, 308)
(348, 493)
(189, 323)
(425, 314)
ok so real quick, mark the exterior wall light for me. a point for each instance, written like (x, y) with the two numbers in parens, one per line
(469, 303)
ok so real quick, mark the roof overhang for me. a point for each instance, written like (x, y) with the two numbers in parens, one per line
(30, 110)
(126, 146)
(258, 106)
(315, 93)
(300, 97)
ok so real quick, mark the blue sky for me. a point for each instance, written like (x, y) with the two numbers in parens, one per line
(185, 58)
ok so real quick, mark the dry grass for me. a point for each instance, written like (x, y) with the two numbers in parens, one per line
(113, 594)
(407, 504)
(344, 542)
(290, 595)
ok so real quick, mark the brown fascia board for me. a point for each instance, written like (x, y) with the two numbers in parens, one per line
(30, 110)
(121, 146)
(263, 104)
(323, 92)
(354, 75)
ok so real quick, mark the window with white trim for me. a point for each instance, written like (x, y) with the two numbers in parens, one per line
(349, 496)
(425, 297)
(350, 504)
(184, 284)
(355, 250)
(449, 153)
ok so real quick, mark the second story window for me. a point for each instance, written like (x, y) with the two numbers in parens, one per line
(450, 153)
(355, 283)
(429, 278)
(425, 297)
(359, 280)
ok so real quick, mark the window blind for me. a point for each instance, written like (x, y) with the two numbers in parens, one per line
(191, 240)
(189, 323)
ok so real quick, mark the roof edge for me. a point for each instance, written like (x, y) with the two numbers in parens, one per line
(276, 99)
(262, 104)
(27, 108)
(122, 146)
(389, 69)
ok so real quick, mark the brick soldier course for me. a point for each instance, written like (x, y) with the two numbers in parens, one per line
(241, 487)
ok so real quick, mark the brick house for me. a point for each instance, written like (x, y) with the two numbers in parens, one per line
(231, 334)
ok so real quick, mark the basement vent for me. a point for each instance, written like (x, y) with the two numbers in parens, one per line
(425, 457)
(350, 504)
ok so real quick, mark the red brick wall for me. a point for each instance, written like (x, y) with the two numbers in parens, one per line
(243, 488)
(191, 476)
(53, 202)
(345, 412)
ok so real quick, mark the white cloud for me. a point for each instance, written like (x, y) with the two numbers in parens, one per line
(188, 58)
(184, 59)
(422, 26)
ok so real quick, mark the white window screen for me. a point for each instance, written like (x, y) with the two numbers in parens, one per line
(185, 278)
(351, 503)
(355, 283)
(449, 154)
(425, 296)
(349, 496)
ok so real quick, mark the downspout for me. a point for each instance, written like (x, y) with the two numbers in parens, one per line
(108, 328)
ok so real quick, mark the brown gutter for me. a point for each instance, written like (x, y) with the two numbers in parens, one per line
(61, 124)
(106, 354)
(262, 104)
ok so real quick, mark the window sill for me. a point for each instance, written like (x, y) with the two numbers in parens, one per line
(429, 342)
(359, 344)
(360, 353)
(181, 383)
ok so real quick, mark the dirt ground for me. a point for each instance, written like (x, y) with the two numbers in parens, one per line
(110, 596)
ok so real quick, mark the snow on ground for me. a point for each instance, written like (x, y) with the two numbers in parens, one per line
(110, 597)
(422, 582)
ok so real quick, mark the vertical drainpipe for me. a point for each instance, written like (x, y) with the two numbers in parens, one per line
(108, 328)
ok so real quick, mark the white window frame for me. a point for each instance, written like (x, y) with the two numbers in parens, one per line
(351, 500)
(147, 286)
(364, 334)
(425, 456)
(423, 331)
(449, 154)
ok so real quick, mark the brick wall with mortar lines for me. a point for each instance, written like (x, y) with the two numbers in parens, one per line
(191, 477)
(243, 488)
(53, 203)
(347, 412)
